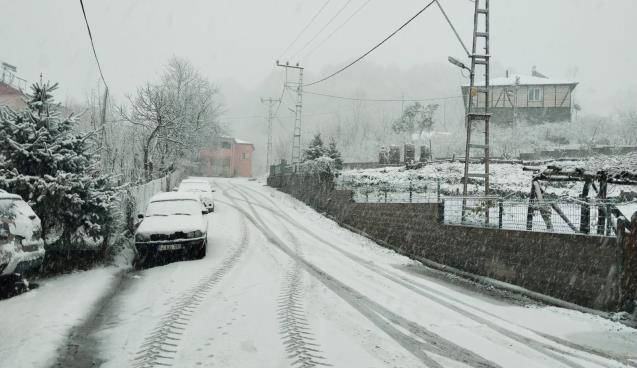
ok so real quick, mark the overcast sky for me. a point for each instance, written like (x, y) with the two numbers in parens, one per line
(237, 42)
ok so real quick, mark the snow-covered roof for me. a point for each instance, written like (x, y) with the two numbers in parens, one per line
(524, 81)
(174, 196)
(235, 140)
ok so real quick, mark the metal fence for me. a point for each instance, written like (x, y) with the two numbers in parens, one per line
(570, 216)
(564, 215)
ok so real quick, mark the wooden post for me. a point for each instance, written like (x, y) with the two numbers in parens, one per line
(531, 209)
(601, 195)
(628, 292)
(544, 211)
(585, 209)
(500, 212)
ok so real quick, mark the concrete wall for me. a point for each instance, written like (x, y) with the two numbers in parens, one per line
(575, 268)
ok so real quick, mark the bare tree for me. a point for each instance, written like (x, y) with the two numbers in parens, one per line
(176, 116)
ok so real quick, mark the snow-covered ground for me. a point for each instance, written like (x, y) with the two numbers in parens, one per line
(35, 324)
(282, 286)
(506, 179)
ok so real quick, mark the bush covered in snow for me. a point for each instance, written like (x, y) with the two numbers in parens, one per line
(323, 167)
(45, 161)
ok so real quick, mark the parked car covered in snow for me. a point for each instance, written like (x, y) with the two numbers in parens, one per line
(201, 188)
(174, 223)
(21, 244)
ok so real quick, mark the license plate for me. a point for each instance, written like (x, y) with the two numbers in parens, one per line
(169, 247)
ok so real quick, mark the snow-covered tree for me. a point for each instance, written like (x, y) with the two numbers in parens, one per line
(416, 119)
(175, 117)
(44, 159)
(315, 149)
(335, 154)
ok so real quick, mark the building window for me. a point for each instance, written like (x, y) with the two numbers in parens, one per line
(244, 156)
(225, 145)
(536, 94)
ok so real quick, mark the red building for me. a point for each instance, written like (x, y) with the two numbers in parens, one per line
(232, 157)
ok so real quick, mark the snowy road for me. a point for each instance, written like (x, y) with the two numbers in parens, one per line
(282, 286)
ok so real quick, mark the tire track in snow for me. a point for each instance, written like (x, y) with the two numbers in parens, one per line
(160, 346)
(563, 347)
(414, 338)
(300, 345)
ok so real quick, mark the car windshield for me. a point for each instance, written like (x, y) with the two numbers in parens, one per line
(194, 187)
(174, 207)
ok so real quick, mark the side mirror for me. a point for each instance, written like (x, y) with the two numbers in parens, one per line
(140, 216)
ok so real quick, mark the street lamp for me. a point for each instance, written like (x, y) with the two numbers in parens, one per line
(458, 63)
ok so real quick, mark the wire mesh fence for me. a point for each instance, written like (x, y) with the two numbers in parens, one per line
(569, 216)
(563, 215)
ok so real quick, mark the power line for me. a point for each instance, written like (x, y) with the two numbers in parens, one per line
(322, 29)
(373, 48)
(305, 28)
(382, 99)
(92, 44)
(337, 29)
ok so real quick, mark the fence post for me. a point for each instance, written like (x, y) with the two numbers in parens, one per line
(441, 211)
(585, 210)
(628, 294)
(531, 209)
(500, 212)
(438, 188)
(601, 195)
(411, 191)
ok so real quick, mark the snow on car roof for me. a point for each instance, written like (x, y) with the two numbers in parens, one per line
(5, 195)
(174, 196)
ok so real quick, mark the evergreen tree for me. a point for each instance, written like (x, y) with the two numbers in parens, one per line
(333, 153)
(45, 161)
(315, 150)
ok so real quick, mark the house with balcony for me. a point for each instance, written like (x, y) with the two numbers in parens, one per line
(534, 98)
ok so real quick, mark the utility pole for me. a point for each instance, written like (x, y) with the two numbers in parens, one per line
(296, 139)
(270, 102)
(478, 114)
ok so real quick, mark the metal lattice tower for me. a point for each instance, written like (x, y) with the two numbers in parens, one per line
(271, 117)
(296, 139)
(477, 116)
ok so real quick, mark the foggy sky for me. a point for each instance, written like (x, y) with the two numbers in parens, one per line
(235, 43)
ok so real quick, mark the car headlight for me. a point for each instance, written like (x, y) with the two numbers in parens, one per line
(141, 237)
(194, 234)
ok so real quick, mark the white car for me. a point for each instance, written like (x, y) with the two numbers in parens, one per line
(174, 223)
(21, 244)
(201, 188)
